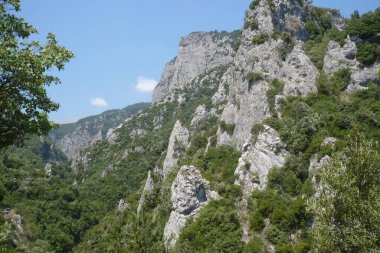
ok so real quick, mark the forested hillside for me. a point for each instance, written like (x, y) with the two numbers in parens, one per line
(259, 140)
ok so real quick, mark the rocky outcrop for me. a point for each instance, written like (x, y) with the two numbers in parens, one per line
(122, 206)
(72, 143)
(110, 168)
(247, 100)
(280, 15)
(200, 114)
(74, 137)
(149, 184)
(80, 163)
(198, 53)
(17, 231)
(48, 168)
(299, 73)
(178, 141)
(339, 57)
(190, 192)
(112, 134)
(258, 158)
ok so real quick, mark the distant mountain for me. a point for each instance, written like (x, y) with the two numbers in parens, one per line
(73, 137)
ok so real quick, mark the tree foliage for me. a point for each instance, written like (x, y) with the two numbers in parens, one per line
(24, 66)
(347, 207)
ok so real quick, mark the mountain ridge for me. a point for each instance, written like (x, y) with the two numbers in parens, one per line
(228, 156)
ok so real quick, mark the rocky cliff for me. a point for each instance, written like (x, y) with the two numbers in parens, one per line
(72, 138)
(227, 156)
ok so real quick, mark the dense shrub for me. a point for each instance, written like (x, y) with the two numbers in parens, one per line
(284, 181)
(316, 48)
(368, 53)
(257, 222)
(255, 245)
(364, 26)
(254, 76)
(252, 24)
(217, 229)
(320, 21)
(228, 128)
(253, 4)
(260, 38)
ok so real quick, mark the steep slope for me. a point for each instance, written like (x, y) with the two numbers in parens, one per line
(264, 96)
(226, 158)
(72, 138)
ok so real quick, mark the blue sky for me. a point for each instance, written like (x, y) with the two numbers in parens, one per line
(119, 44)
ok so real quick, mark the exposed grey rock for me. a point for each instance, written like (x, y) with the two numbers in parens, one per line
(338, 57)
(139, 149)
(258, 158)
(47, 169)
(190, 192)
(200, 114)
(112, 134)
(110, 168)
(149, 184)
(122, 206)
(157, 122)
(316, 165)
(80, 162)
(285, 16)
(72, 143)
(135, 133)
(198, 53)
(329, 141)
(247, 101)
(179, 140)
(17, 232)
(277, 104)
(221, 95)
(299, 73)
(361, 77)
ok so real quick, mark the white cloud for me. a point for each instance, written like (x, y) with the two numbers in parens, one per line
(145, 84)
(99, 102)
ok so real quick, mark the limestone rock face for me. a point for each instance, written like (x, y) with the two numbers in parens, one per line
(179, 140)
(258, 158)
(80, 162)
(299, 74)
(200, 114)
(189, 193)
(122, 206)
(72, 143)
(247, 100)
(282, 15)
(110, 168)
(112, 134)
(149, 184)
(198, 53)
(17, 233)
(48, 168)
(338, 57)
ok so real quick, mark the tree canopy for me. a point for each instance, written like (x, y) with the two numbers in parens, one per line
(24, 74)
(347, 205)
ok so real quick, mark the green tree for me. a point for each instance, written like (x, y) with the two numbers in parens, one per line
(347, 206)
(24, 67)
